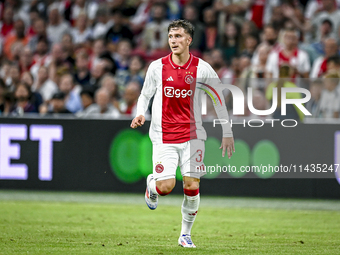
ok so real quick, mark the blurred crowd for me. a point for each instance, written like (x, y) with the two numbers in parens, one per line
(89, 57)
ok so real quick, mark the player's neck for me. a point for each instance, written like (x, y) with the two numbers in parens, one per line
(180, 59)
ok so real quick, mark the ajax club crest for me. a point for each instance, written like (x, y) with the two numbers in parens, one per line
(188, 78)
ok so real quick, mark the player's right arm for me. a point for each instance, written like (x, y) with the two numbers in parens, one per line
(149, 89)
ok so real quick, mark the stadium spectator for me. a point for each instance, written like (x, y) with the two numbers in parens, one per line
(118, 31)
(58, 62)
(315, 89)
(87, 97)
(22, 94)
(258, 70)
(247, 28)
(20, 8)
(333, 64)
(14, 74)
(313, 7)
(291, 55)
(25, 60)
(109, 83)
(278, 19)
(141, 17)
(155, 34)
(229, 41)
(123, 54)
(72, 98)
(231, 10)
(89, 8)
(260, 12)
(18, 37)
(4, 72)
(318, 48)
(329, 12)
(57, 27)
(320, 64)
(211, 31)
(67, 44)
(102, 107)
(292, 112)
(99, 48)
(7, 23)
(219, 66)
(9, 102)
(45, 86)
(39, 27)
(81, 33)
(330, 100)
(34, 15)
(270, 36)
(98, 72)
(250, 44)
(57, 105)
(131, 94)
(102, 24)
(35, 99)
(82, 75)
(245, 73)
(41, 55)
(190, 13)
(135, 71)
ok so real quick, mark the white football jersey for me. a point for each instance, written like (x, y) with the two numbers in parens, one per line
(177, 105)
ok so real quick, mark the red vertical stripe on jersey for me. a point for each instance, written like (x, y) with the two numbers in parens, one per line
(178, 83)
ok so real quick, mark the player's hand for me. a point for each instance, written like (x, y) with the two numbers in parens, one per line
(138, 121)
(227, 145)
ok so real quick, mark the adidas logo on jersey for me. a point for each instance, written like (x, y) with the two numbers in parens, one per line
(170, 79)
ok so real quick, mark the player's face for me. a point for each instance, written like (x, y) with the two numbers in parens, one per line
(179, 41)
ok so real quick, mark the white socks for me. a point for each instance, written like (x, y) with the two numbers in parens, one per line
(189, 210)
(152, 186)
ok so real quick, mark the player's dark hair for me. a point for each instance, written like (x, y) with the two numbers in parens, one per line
(186, 25)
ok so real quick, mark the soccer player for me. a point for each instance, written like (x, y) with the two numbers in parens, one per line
(177, 83)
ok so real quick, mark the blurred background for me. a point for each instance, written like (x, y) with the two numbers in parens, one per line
(72, 70)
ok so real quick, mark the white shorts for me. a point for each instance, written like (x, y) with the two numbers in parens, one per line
(188, 156)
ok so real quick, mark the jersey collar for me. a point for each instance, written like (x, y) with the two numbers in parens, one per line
(185, 66)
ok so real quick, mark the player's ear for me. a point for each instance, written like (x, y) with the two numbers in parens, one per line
(189, 40)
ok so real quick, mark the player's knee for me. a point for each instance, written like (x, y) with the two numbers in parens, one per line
(165, 187)
(191, 186)
(191, 183)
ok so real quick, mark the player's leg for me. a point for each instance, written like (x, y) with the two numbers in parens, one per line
(190, 207)
(162, 181)
(155, 188)
(193, 157)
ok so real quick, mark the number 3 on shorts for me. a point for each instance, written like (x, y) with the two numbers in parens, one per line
(199, 156)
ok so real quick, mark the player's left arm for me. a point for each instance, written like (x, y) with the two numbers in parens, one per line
(148, 90)
(212, 79)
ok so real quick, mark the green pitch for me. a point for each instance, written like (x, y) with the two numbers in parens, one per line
(90, 223)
